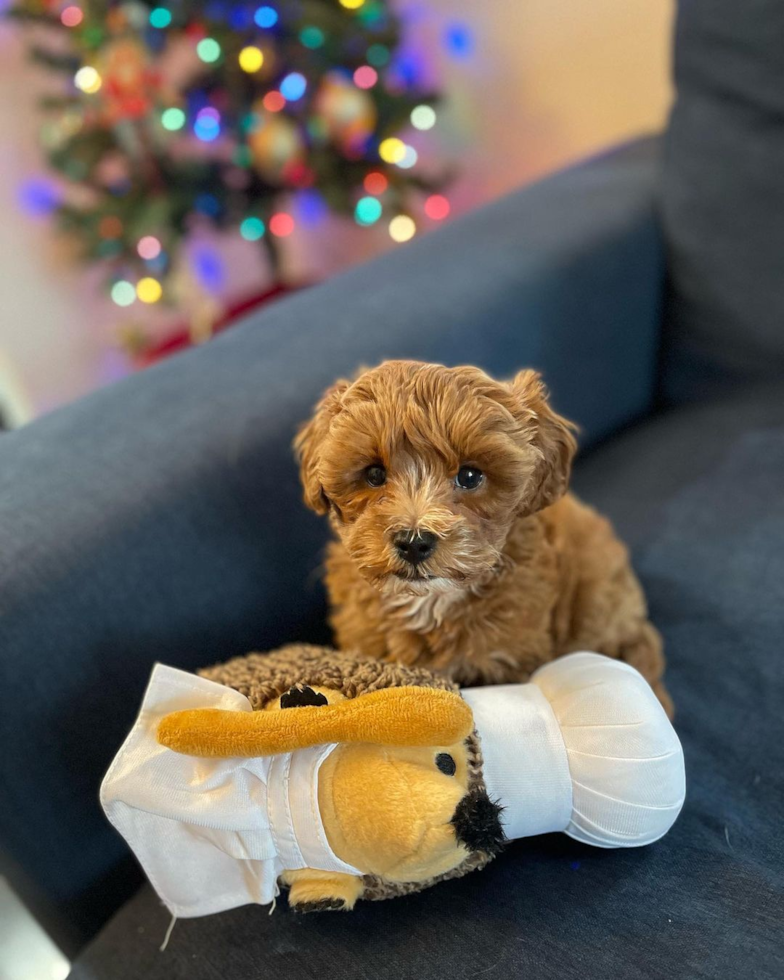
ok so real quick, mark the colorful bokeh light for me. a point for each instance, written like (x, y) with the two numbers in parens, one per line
(297, 173)
(123, 293)
(242, 156)
(160, 17)
(311, 37)
(375, 15)
(251, 59)
(311, 207)
(378, 55)
(110, 226)
(72, 16)
(149, 247)
(409, 158)
(459, 40)
(88, 80)
(159, 264)
(437, 207)
(39, 196)
(149, 290)
(207, 124)
(375, 182)
(423, 117)
(273, 101)
(367, 211)
(281, 224)
(208, 50)
(392, 150)
(252, 229)
(293, 86)
(241, 18)
(207, 204)
(266, 16)
(351, 4)
(172, 119)
(209, 267)
(408, 68)
(365, 77)
(402, 228)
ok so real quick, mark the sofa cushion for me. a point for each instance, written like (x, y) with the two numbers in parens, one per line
(698, 495)
(723, 195)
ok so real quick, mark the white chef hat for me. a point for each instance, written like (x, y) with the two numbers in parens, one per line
(585, 748)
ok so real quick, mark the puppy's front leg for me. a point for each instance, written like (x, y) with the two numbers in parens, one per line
(318, 891)
(642, 649)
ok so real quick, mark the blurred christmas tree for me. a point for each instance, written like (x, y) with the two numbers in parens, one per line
(216, 112)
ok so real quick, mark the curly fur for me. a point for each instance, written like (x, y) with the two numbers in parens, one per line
(263, 677)
(523, 572)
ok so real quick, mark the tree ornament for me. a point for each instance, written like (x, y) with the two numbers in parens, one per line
(136, 14)
(56, 132)
(129, 83)
(276, 144)
(348, 114)
(113, 170)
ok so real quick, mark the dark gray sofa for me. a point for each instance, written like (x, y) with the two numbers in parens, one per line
(160, 519)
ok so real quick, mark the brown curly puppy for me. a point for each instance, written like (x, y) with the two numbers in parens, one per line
(456, 548)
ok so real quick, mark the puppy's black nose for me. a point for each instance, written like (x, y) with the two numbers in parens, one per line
(415, 546)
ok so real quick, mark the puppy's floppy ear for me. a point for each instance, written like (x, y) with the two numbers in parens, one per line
(309, 441)
(553, 438)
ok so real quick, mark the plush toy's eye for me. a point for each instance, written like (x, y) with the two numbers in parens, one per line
(375, 475)
(446, 764)
(302, 697)
(468, 477)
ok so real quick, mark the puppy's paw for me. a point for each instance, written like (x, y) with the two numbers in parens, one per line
(663, 695)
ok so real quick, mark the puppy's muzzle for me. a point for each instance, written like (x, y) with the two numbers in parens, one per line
(414, 547)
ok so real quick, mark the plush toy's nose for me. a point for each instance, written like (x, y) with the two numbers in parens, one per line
(415, 547)
(477, 823)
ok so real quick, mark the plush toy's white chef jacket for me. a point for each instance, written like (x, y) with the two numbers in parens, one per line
(212, 834)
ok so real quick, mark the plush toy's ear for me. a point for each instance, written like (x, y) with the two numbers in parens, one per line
(553, 439)
(309, 441)
(407, 716)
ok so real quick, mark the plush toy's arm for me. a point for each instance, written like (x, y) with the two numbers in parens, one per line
(319, 891)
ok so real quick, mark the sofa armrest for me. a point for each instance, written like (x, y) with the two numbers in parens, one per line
(160, 518)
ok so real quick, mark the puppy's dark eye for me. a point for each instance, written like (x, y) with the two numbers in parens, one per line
(446, 764)
(375, 475)
(468, 478)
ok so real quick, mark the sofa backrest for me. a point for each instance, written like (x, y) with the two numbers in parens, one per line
(723, 196)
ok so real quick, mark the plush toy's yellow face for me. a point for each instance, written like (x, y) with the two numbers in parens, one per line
(391, 811)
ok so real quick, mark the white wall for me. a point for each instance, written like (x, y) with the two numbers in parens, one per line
(550, 81)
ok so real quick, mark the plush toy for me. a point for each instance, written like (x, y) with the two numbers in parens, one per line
(343, 779)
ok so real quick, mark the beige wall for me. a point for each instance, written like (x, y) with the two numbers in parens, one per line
(550, 81)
